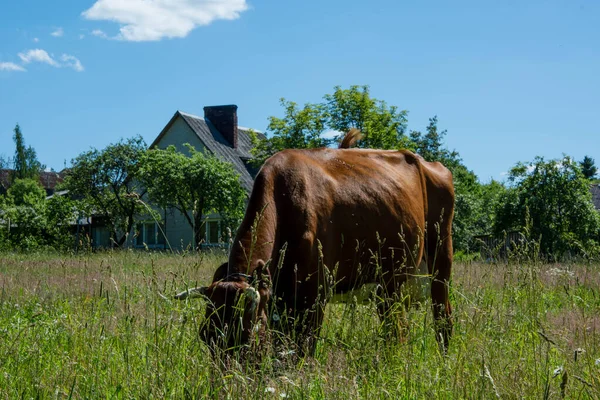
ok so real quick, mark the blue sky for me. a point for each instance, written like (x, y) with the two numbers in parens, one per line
(508, 79)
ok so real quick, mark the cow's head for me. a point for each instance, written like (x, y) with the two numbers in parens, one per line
(236, 307)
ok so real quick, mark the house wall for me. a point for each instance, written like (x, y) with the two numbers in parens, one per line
(178, 134)
(178, 231)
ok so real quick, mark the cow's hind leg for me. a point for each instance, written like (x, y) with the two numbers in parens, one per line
(308, 328)
(439, 260)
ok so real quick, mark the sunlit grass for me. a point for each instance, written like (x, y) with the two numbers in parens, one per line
(96, 326)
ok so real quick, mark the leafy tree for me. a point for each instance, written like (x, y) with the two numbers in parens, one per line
(107, 182)
(34, 221)
(26, 192)
(26, 164)
(198, 182)
(490, 197)
(3, 185)
(588, 167)
(382, 126)
(430, 145)
(554, 198)
(298, 129)
(61, 213)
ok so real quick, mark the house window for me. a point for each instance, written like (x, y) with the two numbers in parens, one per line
(149, 234)
(213, 231)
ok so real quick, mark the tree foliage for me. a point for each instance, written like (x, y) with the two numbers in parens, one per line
(431, 145)
(26, 192)
(26, 164)
(106, 180)
(300, 128)
(200, 183)
(553, 198)
(31, 222)
(382, 126)
(588, 167)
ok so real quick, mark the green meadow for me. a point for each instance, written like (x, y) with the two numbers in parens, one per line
(104, 326)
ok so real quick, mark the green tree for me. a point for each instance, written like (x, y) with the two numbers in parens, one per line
(32, 222)
(61, 213)
(382, 126)
(25, 214)
(431, 147)
(107, 182)
(490, 197)
(298, 129)
(553, 198)
(195, 184)
(26, 192)
(3, 185)
(588, 167)
(26, 164)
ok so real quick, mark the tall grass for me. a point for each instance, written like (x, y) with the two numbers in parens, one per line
(104, 326)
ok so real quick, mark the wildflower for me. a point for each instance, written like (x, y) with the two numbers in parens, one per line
(557, 372)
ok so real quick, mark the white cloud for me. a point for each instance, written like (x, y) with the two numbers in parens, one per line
(81, 36)
(146, 20)
(8, 66)
(38, 55)
(36, 39)
(99, 33)
(58, 32)
(72, 62)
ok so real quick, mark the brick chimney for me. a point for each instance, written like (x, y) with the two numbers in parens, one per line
(224, 118)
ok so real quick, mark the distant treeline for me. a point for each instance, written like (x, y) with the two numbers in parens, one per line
(546, 201)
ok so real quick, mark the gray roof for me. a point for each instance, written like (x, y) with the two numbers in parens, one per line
(595, 189)
(220, 147)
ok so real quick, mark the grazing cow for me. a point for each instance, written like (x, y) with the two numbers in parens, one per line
(325, 221)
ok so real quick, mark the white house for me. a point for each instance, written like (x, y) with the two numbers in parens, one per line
(219, 133)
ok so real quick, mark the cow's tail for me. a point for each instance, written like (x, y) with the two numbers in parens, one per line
(350, 138)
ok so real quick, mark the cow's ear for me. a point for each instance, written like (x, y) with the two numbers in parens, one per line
(221, 272)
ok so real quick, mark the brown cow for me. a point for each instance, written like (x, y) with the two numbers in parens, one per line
(328, 221)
